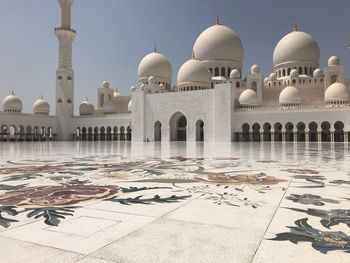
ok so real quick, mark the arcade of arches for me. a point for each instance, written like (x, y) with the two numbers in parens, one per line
(290, 132)
(26, 133)
(103, 134)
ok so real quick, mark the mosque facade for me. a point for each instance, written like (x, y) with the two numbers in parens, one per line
(211, 100)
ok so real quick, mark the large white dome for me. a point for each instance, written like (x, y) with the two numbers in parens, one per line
(154, 64)
(86, 108)
(337, 92)
(193, 71)
(297, 46)
(290, 95)
(219, 42)
(12, 103)
(248, 98)
(41, 107)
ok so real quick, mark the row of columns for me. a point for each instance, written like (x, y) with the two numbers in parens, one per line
(241, 136)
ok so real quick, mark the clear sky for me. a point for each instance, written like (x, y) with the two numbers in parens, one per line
(114, 35)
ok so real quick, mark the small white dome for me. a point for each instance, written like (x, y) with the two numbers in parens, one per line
(290, 95)
(294, 73)
(133, 88)
(273, 75)
(255, 69)
(105, 84)
(154, 64)
(152, 80)
(162, 86)
(116, 94)
(12, 103)
(219, 42)
(86, 108)
(235, 74)
(333, 61)
(266, 79)
(142, 86)
(296, 46)
(193, 71)
(337, 92)
(248, 98)
(318, 73)
(41, 107)
(109, 107)
(130, 106)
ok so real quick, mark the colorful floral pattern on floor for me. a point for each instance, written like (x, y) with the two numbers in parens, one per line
(52, 191)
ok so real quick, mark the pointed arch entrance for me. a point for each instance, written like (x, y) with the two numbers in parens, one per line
(157, 131)
(178, 127)
(200, 131)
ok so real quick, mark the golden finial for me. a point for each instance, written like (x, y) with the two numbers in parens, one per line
(295, 27)
(193, 55)
(155, 47)
(41, 97)
(217, 21)
(12, 93)
(86, 99)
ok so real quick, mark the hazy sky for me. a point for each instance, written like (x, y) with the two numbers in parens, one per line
(114, 35)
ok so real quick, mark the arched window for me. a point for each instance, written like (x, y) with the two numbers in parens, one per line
(223, 72)
(228, 71)
(305, 71)
(237, 84)
(284, 72)
(288, 71)
(300, 70)
(69, 78)
(255, 86)
(334, 79)
(216, 72)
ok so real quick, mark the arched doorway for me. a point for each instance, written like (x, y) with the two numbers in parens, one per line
(21, 133)
(199, 131)
(338, 131)
(128, 133)
(289, 132)
(278, 132)
(157, 131)
(102, 134)
(122, 133)
(96, 134)
(83, 135)
(325, 133)
(313, 135)
(109, 133)
(256, 132)
(115, 133)
(267, 132)
(245, 132)
(301, 132)
(90, 136)
(29, 133)
(178, 127)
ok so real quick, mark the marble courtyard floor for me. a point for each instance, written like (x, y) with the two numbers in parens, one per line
(121, 202)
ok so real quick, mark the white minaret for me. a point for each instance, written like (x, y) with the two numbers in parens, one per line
(65, 74)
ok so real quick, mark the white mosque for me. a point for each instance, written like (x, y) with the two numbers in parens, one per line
(211, 101)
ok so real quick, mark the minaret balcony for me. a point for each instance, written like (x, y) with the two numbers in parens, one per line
(66, 29)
